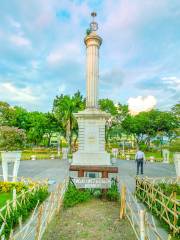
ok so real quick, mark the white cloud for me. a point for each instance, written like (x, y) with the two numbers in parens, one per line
(54, 57)
(141, 104)
(65, 52)
(20, 40)
(172, 81)
(9, 92)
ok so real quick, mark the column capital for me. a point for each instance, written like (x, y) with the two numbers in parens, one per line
(93, 39)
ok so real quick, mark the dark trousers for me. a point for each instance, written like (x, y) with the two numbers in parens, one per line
(139, 165)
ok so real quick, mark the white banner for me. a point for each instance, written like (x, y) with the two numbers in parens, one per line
(84, 182)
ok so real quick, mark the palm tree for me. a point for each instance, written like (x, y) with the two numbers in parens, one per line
(64, 107)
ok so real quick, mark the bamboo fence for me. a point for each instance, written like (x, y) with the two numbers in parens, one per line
(18, 200)
(165, 207)
(143, 224)
(41, 216)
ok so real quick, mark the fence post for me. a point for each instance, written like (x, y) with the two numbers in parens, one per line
(50, 207)
(142, 224)
(175, 211)
(8, 208)
(59, 198)
(14, 198)
(39, 220)
(11, 235)
(123, 202)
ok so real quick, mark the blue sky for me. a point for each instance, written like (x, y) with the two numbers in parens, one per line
(42, 53)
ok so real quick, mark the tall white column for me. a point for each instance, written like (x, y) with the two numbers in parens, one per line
(93, 42)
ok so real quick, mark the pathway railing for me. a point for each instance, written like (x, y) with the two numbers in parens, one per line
(165, 207)
(18, 200)
(167, 180)
(143, 224)
(41, 216)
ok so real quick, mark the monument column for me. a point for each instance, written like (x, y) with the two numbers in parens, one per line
(92, 120)
(93, 42)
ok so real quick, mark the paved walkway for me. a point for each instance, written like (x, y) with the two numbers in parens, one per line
(127, 171)
(58, 169)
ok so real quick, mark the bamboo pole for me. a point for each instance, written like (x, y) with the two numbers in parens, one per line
(50, 207)
(60, 198)
(142, 224)
(175, 212)
(123, 202)
(14, 198)
(39, 220)
(11, 235)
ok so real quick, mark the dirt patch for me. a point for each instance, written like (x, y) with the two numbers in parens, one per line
(95, 219)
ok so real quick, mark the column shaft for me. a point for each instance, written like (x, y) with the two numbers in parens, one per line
(92, 76)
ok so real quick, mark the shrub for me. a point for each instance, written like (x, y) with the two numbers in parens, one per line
(175, 145)
(12, 138)
(9, 186)
(113, 193)
(74, 196)
(24, 209)
(168, 189)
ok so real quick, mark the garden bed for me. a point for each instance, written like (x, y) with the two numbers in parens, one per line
(4, 197)
(18, 208)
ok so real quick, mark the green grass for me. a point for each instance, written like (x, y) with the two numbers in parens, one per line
(26, 155)
(39, 155)
(156, 155)
(4, 197)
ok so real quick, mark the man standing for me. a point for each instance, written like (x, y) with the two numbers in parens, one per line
(140, 158)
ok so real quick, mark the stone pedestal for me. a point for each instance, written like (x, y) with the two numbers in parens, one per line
(91, 150)
(177, 163)
(115, 152)
(165, 155)
(152, 159)
(10, 157)
(64, 153)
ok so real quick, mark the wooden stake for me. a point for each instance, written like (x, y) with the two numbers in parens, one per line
(14, 198)
(175, 211)
(11, 235)
(142, 224)
(123, 202)
(39, 220)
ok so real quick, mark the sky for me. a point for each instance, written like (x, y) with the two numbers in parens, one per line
(42, 51)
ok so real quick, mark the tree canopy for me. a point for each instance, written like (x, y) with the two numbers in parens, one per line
(40, 127)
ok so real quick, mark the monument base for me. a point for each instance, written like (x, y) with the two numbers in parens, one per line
(91, 151)
(105, 170)
(99, 158)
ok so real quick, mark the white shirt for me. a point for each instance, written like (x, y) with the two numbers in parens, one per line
(140, 155)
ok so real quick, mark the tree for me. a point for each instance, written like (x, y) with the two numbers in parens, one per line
(12, 138)
(21, 118)
(148, 125)
(64, 107)
(37, 127)
(176, 110)
(108, 106)
(7, 114)
(51, 126)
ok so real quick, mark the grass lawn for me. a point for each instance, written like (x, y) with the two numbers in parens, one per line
(95, 219)
(156, 155)
(4, 197)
